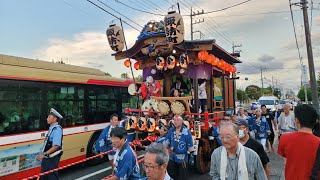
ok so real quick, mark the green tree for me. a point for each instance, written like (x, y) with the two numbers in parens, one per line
(301, 94)
(241, 95)
(125, 76)
(253, 92)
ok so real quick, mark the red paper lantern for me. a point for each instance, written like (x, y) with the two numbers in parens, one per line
(234, 69)
(215, 61)
(210, 58)
(220, 64)
(203, 55)
(228, 67)
(127, 63)
(136, 65)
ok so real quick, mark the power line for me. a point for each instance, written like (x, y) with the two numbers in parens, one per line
(156, 14)
(112, 14)
(294, 30)
(119, 13)
(229, 7)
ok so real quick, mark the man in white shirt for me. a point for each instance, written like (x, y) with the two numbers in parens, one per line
(286, 120)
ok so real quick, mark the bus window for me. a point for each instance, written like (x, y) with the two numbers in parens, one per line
(20, 107)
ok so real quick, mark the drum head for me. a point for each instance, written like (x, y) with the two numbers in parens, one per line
(146, 106)
(154, 104)
(164, 107)
(132, 89)
(151, 124)
(178, 107)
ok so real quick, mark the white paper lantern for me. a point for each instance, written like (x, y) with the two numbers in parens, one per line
(115, 38)
(171, 62)
(184, 59)
(160, 63)
(174, 27)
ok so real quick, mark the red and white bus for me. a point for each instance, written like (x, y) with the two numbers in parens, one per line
(29, 88)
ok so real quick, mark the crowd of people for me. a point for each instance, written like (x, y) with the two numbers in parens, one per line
(245, 141)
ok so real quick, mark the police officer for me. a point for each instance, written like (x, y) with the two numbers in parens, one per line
(52, 147)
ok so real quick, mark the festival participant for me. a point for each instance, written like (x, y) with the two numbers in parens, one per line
(249, 142)
(126, 165)
(104, 141)
(149, 88)
(286, 120)
(179, 139)
(300, 148)
(261, 129)
(272, 123)
(233, 160)
(155, 162)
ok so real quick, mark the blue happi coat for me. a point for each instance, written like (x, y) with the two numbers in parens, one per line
(216, 132)
(160, 140)
(126, 165)
(103, 143)
(179, 146)
(261, 128)
(130, 133)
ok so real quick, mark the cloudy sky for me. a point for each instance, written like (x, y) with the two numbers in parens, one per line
(74, 31)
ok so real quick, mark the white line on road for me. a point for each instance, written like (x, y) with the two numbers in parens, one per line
(100, 171)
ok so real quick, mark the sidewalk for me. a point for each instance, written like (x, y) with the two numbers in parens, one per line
(276, 163)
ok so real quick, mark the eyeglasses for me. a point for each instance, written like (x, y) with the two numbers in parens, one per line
(151, 168)
(226, 119)
(226, 138)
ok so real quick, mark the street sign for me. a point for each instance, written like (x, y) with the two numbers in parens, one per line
(304, 75)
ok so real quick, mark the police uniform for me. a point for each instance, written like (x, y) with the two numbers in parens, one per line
(53, 138)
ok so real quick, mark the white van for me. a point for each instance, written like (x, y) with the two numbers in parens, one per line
(269, 101)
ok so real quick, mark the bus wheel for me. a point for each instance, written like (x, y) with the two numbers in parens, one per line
(92, 151)
(203, 156)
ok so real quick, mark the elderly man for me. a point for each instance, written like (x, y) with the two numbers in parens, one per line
(241, 114)
(155, 162)
(233, 160)
(179, 139)
(249, 142)
(286, 121)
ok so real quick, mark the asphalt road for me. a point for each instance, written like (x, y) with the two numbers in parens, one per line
(82, 172)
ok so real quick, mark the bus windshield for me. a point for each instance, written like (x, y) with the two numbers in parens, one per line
(267, 102)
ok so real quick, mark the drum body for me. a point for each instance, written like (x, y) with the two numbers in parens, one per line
(178, 107)
(164, 107)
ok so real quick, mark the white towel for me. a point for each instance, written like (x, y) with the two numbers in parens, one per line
(242, 166)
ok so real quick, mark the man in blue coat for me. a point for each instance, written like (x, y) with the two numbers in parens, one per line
(179, 139)
(126, 165)
(104, 141)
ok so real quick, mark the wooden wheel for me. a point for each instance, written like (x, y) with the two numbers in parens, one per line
(203, 156)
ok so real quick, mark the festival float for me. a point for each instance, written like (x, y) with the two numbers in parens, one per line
(162, 53)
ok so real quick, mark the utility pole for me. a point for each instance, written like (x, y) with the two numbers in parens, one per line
(313, 82)
(262, 91)
(272, 86)
(196, 22)
(195, 81)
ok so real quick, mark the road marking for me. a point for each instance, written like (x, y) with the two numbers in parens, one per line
(100, 171)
